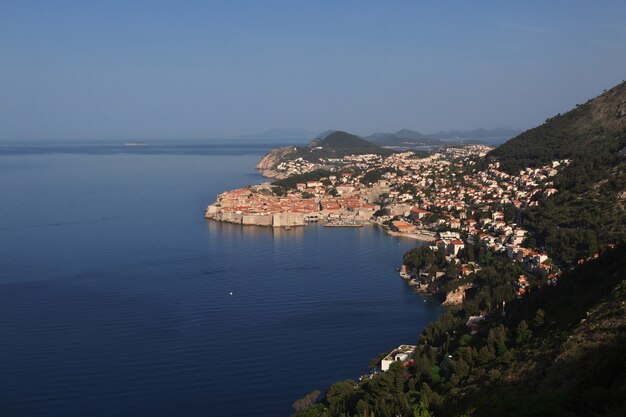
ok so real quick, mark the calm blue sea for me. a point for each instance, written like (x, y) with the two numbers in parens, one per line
(115, 291)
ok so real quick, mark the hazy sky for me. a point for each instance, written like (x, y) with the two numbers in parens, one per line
(192, 69)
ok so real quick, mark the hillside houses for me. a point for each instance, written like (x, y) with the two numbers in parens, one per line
(444, 192)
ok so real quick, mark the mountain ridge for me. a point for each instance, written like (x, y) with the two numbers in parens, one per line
(340, 143)
(585, 129)
(589, 211)
(415, 138)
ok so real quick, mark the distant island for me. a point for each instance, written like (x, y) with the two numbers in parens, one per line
(406, 137)
(527, 245)
(403, 137)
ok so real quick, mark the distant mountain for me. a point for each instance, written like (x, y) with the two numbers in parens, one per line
(338, 144)
(403, 137)
(297, 134)
(409, 134)
(484, 134)
(329, 144)
(324, 134)
(400, 134)
(414, 138)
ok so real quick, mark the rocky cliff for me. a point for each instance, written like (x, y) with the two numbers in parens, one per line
(456, 297)
(267, 165)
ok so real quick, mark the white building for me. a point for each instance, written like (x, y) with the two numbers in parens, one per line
(402, 354)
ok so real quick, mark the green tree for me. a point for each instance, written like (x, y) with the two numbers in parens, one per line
(539, 318)
(306, 401)
(523, 333)
(419, 258)
(375, 361)
(421, 410)
(434, 375)
(488, 259)
(465, 339)
(497, 339)
(279, 191)
(469, 354)
(486, 354)
(338, 396)
(469, 252)
(452, 271)
(460, 368)
(316, 410)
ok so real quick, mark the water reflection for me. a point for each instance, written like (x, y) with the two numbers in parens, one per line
(231, 230)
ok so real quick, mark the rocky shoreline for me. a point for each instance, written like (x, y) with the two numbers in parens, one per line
(424, 236)
(272, 174)
(429, 287)
(268, 163)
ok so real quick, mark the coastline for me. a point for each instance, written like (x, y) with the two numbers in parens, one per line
(272, 174)
(424, 236)
(323, 223)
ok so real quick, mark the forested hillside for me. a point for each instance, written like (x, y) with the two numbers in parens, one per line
(557, 351)
(589, 209)
(339, 144)
(587, 129)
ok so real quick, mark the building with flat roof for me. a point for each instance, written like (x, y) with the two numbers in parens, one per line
(402, 354)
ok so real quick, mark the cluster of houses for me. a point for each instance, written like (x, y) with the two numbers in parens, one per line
(309, 202)
(417, 195)
(451, 243)
(446, 187)
(296, 166)
(463, 151)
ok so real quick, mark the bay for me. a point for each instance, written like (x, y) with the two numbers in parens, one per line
(115, 292)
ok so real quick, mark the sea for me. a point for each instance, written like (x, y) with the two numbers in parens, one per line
(118, 298)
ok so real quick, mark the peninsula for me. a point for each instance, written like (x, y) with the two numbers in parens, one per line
(343, 179)
(451, 197)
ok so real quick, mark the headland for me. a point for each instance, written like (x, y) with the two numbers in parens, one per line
(452, 198)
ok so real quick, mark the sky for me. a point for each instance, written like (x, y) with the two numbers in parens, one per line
(199, 69)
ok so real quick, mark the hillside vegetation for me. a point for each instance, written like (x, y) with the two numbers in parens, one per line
(339, 144)
(556, 352)
(578, 134)
(589, 209)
